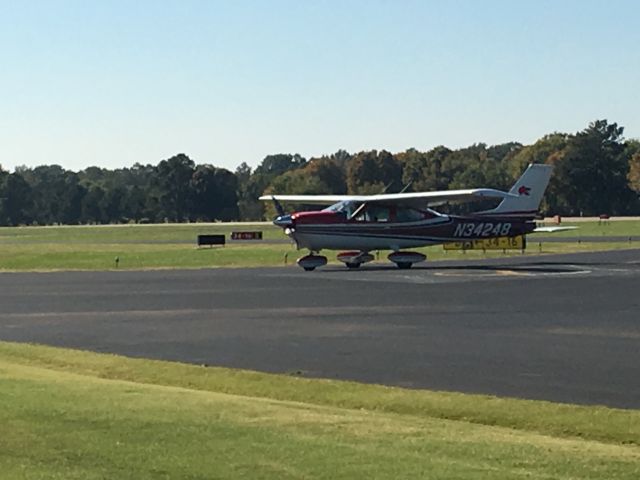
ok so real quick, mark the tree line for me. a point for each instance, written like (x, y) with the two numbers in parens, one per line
(597, 171)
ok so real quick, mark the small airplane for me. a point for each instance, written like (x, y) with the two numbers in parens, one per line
(360, 224)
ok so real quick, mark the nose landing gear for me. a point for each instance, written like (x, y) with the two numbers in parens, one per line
(311, 262)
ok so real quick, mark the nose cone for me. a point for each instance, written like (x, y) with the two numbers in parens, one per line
(283, 221)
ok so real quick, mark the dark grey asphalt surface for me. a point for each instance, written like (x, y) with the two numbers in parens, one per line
(563, 328)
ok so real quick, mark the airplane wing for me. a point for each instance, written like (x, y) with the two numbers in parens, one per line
(313, 199)
(417, 199)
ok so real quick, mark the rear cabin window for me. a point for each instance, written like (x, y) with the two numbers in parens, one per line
(409, 215)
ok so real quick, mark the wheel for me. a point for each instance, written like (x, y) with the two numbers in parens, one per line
(404, 265)
(352, 265)
(309, 269)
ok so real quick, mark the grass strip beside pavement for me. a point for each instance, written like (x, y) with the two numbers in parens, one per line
(69, 414)
(616, 426)
(74, 256)
(139, 247)
(139, 256)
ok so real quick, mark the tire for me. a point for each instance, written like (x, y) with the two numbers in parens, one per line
(309, 269)
(404, 265)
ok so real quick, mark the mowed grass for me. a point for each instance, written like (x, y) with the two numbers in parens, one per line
(69, 414)
(174, 246)
(131, 233)
(73, 256)
(617, 228)
(136, 247)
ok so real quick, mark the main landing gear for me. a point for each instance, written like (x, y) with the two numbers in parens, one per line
(404, 260)
(353, 259)
(311, 262)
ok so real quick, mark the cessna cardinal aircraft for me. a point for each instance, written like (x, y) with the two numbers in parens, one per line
(362, 223)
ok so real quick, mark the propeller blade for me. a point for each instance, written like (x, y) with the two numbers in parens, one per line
(278, 206)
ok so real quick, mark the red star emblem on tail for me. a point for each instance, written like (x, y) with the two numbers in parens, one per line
(524, 190)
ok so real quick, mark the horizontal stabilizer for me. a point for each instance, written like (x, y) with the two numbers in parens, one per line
(552, 229)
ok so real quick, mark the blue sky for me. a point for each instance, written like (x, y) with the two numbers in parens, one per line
(113, 83)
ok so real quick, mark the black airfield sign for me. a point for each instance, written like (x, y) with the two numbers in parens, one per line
(246, 235)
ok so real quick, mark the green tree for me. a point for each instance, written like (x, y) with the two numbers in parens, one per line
(590, 174)
(136, 205)
(329, 173)
(18, 200)
(423, 170)
(474, 166)
(57, 194)
(633, 177)
(3, 196)
(92, 205)
(294, 182)
(174, 184)
(214, 194)
(270, 168)
(249, 207)
(371, 172)
(274, 165)
(113, 204)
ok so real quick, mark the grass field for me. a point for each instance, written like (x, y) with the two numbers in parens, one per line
(595, 228)
(173, 246)
(68, 414)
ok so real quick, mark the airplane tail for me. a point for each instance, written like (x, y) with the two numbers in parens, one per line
(529, 189)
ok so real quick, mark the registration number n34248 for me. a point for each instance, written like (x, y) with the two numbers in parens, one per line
(482, 229)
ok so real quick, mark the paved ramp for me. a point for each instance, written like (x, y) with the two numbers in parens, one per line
(562, 328)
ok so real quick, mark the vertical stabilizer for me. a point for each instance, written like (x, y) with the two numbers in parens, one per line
(529, 189)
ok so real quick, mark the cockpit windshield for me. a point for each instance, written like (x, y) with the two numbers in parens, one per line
(347, 207)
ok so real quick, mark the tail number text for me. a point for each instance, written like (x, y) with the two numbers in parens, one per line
(482, 230)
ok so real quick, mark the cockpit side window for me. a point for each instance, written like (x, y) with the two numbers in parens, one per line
(373, 213)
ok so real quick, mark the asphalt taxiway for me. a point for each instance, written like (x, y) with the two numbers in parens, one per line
(562, 328)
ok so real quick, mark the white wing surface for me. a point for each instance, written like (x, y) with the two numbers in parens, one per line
(553, 229)
(418, 199)
(312, 199)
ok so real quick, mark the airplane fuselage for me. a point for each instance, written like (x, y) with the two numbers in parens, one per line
(359, 224)
(328, 230)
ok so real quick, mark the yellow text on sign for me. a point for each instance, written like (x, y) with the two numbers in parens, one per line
(498, 243)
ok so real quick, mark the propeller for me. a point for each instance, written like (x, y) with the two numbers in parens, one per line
(283, 219)
(278, 206)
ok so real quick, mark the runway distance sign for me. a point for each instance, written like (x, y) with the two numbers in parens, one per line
(498, 243)
(246, 235)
